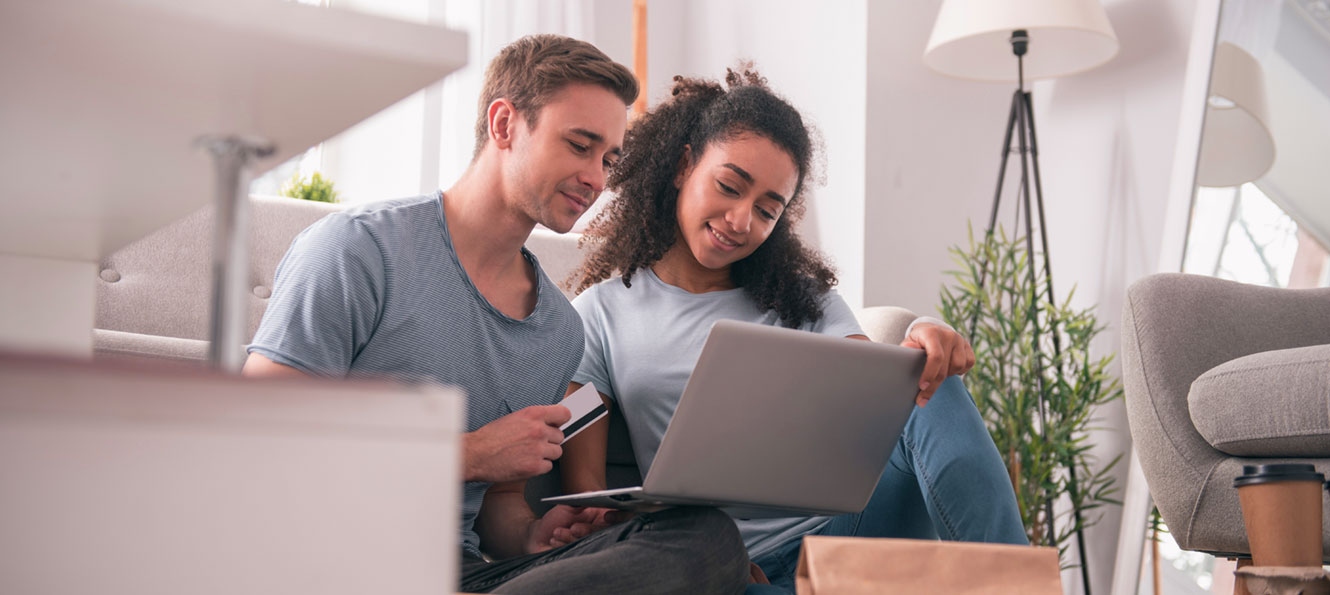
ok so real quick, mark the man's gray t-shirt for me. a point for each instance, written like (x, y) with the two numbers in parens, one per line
(641, 345)
(377, 291)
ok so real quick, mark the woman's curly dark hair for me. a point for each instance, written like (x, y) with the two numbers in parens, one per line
(640, 226)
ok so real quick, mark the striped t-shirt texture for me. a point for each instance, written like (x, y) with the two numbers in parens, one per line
(377, 291)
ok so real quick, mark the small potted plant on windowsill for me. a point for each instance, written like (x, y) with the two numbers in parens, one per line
(317, 189)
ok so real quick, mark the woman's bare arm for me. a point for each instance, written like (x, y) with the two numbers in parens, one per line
(582, 465)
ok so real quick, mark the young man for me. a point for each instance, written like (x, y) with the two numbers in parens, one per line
(439, 288)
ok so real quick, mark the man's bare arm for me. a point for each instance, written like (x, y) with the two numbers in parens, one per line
(258, 366)
(507, 526)
(504, 522)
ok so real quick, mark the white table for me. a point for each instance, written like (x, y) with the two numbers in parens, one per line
(102, 104)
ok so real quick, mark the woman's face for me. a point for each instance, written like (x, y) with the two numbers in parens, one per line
(731, 196)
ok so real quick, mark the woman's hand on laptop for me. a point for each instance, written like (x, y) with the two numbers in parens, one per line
(564, 524)
(948, 353)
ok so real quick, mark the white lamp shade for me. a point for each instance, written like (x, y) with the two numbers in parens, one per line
(971, 38)
(1236, 144)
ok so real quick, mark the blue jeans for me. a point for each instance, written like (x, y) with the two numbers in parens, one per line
(945, 479)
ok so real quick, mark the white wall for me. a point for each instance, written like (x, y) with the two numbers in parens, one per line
(933, 147)
(1106, 139)
(912, 154)
(929, 149)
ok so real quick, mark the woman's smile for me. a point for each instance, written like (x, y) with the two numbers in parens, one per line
(723, 241)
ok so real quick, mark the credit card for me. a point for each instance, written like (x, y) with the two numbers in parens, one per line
(586, 406)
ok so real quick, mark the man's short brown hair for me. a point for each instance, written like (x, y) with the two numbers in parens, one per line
(530, 71)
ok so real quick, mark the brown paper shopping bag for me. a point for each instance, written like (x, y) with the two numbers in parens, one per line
(851, 565)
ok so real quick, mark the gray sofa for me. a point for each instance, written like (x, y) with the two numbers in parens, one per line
(1219, 375)
(153, 300)
(154, 296)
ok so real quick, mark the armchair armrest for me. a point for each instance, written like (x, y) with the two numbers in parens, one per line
(885, 324)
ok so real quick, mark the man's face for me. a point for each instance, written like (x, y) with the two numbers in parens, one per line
(558, 169)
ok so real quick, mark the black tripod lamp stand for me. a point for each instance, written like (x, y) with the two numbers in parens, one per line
(976, 39)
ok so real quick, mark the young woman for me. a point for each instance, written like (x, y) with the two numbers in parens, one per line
(709, 190)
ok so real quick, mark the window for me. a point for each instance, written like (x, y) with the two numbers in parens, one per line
(1239, 233)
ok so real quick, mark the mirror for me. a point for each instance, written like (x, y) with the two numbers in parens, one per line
(1261, 209)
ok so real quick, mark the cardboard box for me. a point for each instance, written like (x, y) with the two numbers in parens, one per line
(851, 565)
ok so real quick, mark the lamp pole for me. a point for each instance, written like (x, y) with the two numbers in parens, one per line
(1021, 119)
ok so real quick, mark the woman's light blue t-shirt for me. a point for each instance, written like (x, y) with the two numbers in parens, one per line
(641, 345)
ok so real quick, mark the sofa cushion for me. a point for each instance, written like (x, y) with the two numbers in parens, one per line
(1268, 404)
(120, 345)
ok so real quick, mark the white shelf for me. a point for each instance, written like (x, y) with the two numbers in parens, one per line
(102, 100)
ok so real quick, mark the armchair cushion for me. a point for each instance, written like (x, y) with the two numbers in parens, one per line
(1268, 404)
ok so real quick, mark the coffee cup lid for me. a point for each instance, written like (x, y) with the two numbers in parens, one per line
(1255, 474)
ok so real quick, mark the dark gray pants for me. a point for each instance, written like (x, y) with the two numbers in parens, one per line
(680, 550)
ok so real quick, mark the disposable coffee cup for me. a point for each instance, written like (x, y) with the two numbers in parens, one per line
(1281, 508)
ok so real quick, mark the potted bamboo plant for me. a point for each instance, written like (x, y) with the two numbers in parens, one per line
(1035, 384)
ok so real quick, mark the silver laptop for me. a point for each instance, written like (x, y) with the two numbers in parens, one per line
(776, 422)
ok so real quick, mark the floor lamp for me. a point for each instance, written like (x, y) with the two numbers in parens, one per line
(977, 40)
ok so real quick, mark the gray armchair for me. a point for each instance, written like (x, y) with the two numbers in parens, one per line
(1220, 374)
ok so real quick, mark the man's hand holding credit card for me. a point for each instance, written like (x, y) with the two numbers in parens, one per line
(586, 407)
